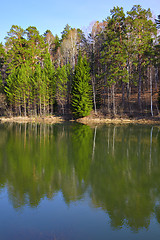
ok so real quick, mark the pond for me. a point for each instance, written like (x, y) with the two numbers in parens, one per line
(72, 181)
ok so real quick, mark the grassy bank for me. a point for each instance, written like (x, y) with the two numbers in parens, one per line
(89, 120)
(47, 119)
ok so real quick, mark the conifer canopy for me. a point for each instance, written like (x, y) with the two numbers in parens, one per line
(81, 89)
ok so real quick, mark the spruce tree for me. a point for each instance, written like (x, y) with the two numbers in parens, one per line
(81, 89)
(61, 88)
(50, 77)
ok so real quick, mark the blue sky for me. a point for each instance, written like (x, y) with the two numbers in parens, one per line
(55, 14)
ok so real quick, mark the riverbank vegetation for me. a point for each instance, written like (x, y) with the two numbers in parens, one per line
(113, 70)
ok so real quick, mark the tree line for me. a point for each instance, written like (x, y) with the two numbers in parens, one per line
(118, 59)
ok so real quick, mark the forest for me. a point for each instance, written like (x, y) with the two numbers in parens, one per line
(114, 69)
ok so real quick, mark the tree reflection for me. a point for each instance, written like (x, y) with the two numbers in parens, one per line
(118, 166)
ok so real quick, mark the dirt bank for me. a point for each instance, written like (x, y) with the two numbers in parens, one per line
(49, 119)
(95, 121)
(90, 120)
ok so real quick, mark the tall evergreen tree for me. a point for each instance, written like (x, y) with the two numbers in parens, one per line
(11, 91)
(36, 46)
(61, 88)
(141, 30)
(16, 46)
(81, 89)
(114, 52)
(50, 76)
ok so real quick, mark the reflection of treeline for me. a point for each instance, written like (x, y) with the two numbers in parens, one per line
(120, 165)
(127, 183)
(36, 162)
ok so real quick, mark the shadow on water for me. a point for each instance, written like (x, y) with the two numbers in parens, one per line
(118, 166)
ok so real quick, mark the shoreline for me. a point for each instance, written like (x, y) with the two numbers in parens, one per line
(48, 119)
(119, 121)
(90, 120)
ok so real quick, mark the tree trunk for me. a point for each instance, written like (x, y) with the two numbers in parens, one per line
(104, 90)
(44, 106)
(51, 107)
(108, 101)
(123, 95)
(128, 89)
(93, 80)
(19, 107)
(35, 109)
(94, 94)
(24, 99)
(150, 76)
(113, 99)
(62, 109)
(40, 106)
(156, 78)
(29, 105)
(139, 83)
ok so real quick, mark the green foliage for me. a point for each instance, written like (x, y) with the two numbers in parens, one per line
(11, 86)
(61, 87)
(141, 31)
(38, 70)
(81, 89)
(37, 48)
(50, 74)
(17, 47)
(66, 31)
(30, 83)
(115, 52)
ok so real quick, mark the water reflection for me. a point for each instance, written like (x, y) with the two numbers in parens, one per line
(117, 166)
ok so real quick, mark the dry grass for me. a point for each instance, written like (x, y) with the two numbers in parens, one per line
(92, 119)
(47, 119)
(117, 120)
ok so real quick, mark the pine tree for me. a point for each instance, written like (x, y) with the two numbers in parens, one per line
(36, 46)
(38, 87)
(23, 80)
(61, 88)
(142, 30)
(16, 46)
(50, 77)
(114, 53)
(12, 91)
(81, 89)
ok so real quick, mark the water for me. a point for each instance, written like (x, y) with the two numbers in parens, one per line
(75, 182)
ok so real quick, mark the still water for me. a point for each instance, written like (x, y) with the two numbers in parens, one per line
(74, 182)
